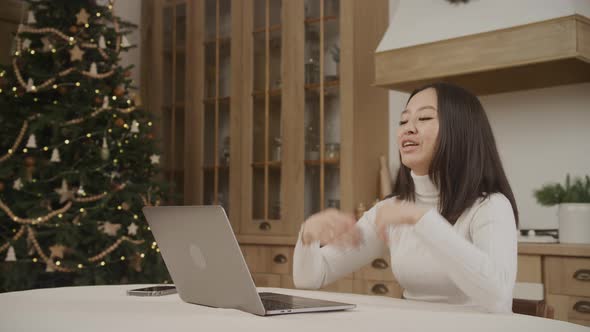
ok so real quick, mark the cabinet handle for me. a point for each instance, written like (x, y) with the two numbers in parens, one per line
(264, 226)
(582, 275)
(582, 306)
(380, 289)
(280, 259)
(380, 263)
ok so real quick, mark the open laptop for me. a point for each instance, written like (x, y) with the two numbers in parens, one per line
(207, 266)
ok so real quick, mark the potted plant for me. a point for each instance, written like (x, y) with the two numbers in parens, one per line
(573, 202)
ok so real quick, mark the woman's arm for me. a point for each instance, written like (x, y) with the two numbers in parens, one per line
(315, 267)
(484, 270)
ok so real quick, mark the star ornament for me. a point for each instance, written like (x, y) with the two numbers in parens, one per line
(65, 194)
(82, 16)
(109, 228)
(132, 229)
(155, 159)
(76, 54)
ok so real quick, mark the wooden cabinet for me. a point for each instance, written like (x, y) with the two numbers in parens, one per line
(267, 107)
(564, 270)
(272, 266)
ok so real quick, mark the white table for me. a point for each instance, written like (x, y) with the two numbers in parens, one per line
(108, 308)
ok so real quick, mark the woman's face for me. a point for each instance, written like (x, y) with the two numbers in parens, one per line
(418, 131)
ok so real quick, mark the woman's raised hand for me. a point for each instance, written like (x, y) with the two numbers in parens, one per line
(332, 226)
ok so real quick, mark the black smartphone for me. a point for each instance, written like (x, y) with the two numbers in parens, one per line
(152, 291)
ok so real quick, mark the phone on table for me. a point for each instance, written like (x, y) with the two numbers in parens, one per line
(152, 291)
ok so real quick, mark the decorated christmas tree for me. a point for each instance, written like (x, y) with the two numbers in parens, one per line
(78, 158)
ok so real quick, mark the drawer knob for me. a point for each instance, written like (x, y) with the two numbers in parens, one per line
(264, 226)
(380, 289)
(280, 259)
(582, 306)
(582, 275)
(380, 263)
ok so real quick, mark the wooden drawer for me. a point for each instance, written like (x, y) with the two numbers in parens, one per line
(579, 308)
(340, 286)
(266, 280)
(567, 276)
(378, 269)
(377, 287)
(571, 308)
(529, 269)
(268, 259)
(287, 281)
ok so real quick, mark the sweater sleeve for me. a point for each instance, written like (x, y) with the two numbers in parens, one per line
(484, 270)
(315, 267)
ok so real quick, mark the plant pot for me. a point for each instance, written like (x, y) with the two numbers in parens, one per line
(574, 223)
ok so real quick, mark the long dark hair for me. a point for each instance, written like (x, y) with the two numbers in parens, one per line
(466, 165)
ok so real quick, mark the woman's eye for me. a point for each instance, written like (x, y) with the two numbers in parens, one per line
(403, 122)
(425, 118)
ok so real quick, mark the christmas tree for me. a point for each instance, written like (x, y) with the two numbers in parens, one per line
(78, 159)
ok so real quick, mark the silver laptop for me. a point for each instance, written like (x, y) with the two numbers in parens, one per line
(207, 266)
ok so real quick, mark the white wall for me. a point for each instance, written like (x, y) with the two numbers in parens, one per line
(541, 134)
(130, 10)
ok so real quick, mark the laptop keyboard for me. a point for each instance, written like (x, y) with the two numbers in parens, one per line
(277, 305)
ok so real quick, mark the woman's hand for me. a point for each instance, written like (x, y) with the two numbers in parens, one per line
(331, 227)
(396, 213)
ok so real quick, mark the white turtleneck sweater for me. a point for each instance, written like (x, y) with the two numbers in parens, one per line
(471, 263)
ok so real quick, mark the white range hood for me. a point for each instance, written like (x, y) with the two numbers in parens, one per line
(431, 40)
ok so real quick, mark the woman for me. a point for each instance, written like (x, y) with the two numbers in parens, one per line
(451, 223)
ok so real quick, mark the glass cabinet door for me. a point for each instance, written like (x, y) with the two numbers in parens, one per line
(216, 102)
(265, 97)
(322, 106)
(174, 25)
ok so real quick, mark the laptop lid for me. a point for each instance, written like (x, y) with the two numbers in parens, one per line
(203, 256)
